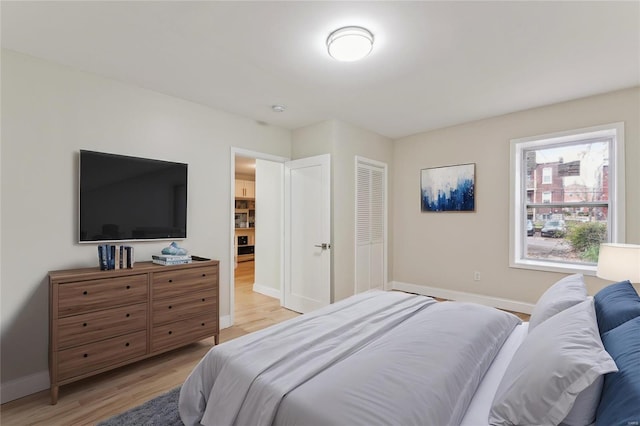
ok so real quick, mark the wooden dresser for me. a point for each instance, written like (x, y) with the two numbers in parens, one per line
(100, 320)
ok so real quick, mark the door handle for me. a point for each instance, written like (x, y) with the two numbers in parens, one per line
(323, 246)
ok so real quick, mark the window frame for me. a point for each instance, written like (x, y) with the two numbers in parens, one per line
(518, 194)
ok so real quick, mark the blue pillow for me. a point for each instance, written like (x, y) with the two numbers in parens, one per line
(620, 401)
(616, 304)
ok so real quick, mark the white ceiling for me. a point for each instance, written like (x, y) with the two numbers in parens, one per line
(434, 64)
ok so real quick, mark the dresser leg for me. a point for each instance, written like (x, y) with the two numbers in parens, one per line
(54, 395)
(216, 339)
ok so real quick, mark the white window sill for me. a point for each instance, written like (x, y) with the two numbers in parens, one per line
(548, 266)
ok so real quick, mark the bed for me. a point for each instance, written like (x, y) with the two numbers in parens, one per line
(394, 358)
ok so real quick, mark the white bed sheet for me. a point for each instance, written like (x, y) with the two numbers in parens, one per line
(478, 412)
(446, 349)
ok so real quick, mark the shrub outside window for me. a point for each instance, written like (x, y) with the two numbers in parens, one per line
(570, 185)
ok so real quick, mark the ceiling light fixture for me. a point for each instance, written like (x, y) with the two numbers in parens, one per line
(350, 44)
(278, 108)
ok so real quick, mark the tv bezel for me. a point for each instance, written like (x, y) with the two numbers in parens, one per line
(118, 241)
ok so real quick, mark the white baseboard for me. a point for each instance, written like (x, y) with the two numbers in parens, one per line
(461, 296)
(225, 321)
(23, 386)
(267, 291)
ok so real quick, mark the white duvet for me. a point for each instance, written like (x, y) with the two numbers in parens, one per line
(375, 358)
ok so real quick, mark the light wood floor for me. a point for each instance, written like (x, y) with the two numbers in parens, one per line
(97, 398)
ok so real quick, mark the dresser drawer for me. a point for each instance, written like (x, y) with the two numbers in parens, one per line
(177, 282)
(94, 356)
(86, 328)
(184, 332)
(185, 306)
(86, 296)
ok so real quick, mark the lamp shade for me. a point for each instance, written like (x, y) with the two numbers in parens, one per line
(619, 262)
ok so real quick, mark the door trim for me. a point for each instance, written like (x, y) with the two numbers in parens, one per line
(241, 152)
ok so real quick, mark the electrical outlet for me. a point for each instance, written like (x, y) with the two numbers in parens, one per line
(476, 276)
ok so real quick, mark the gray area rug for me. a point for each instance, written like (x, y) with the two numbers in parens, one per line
(160, 411)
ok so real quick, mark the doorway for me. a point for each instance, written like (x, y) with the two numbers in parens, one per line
(288, 193)
(256, 211)
(244, 234)
(244, 215)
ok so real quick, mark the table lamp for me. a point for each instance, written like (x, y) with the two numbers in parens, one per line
(619, 262)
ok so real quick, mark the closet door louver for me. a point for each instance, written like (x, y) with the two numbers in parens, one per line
(370, 225)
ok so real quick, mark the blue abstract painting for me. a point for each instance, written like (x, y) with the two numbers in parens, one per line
(450, 188)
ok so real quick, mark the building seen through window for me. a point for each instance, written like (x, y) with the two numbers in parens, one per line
(565, 192)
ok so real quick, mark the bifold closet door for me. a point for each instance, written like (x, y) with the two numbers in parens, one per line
(371, 224)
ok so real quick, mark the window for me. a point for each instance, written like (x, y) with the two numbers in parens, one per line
(571, 186)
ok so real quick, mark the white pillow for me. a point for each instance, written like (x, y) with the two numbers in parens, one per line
(558, 360)
(565, 293)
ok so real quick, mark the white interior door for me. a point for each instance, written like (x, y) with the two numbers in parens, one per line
(307, 218)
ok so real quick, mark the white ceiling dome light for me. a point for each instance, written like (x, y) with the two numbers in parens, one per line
(350, 44)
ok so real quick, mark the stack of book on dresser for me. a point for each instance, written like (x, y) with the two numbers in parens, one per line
(171, 259)
(115, 257)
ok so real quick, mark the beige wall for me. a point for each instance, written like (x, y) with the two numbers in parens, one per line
(351, 141)
(49, 113)
(343, 141)
(313, 140)
(443, 250)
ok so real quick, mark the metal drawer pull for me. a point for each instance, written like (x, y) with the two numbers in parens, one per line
(85, 292)
(170, 306)
(84, 325)
(203, 324)
(128, 287)
(204, 275)
(128, 315)
(170, 281)
(203, 299)
(86, 355)
(170, 332)
(126, 344)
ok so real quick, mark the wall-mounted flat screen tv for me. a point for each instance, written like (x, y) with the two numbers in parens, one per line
(131, 198)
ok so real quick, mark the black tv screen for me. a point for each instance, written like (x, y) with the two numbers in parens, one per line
(131, 198)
